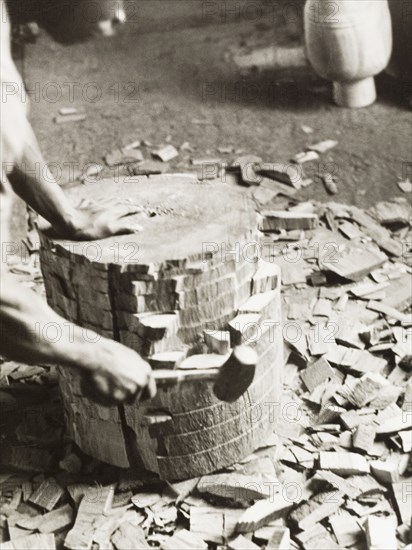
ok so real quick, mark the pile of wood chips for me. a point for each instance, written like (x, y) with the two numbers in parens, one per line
(337, 474)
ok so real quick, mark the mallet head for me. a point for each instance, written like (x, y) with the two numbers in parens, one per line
(236, 375)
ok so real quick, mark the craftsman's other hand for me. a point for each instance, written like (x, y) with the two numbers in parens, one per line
(100, 219)
(119, 376)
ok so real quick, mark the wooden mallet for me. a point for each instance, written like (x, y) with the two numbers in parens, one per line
(232, 379)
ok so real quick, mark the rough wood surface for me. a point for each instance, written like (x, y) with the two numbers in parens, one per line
(178, 219)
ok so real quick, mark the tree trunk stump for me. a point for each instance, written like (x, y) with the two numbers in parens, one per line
(195, 266)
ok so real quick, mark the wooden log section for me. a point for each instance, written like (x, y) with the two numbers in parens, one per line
(194, 269)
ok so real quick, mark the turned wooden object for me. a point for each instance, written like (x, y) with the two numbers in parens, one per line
(195, 266)
(349, 42)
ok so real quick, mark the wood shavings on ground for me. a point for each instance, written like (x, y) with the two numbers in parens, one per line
(337, 474)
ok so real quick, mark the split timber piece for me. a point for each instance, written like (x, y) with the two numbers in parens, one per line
(275, 220)
(264, 303)
(267, 277)
(95, 429)
(152, 291)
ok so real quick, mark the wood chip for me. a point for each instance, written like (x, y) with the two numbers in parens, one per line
(350, 230)
(366, 389)
(242, 543)
(274, 220)
(266, 278)
(394, 424)
(364, 437)
(47, 494)
(118, 157)
(322, 505)
(214, 524)
(31, 542)
(280, 539)
(385, 471)
(207, 523)
(380, 532)
(346, 529)
(184, 540)
(166, 153)
(129, 536)
(50, 522)
(73, 117)
(146, 499)
(342, 463)
(406, 441)
(317, 373)
(390, 312)
(91, 509)
(147, 168)
(305, 156)
(16, 498)
(263, 195)
(235, 486)
(316, 537)
(354, 262)
(248, 165)
(329, 183)
(67, 111)
(264, 511)
(392, 212)
(92, 171)
(405, 186)
(402, 492)
(323, 146)
(344, 486)
(278, 188)
(133, 145)
(286, 173)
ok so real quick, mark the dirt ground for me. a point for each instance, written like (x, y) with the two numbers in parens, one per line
(171, 65)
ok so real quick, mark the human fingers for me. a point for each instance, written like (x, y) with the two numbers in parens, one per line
(124, 227)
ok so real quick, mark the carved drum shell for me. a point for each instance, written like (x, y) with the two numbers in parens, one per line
(185, 430)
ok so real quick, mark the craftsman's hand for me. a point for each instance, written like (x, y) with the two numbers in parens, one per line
(100, 219)
(119, 376)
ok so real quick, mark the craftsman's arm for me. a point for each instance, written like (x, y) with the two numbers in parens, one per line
(33, 182)
(32, 332)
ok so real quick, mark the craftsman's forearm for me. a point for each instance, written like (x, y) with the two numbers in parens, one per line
(32, 332)
(33, 182)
